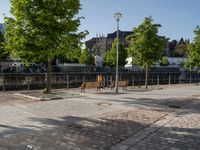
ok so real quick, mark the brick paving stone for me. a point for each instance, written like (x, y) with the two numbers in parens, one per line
(134, 120)
(95, 135)
(186, 123)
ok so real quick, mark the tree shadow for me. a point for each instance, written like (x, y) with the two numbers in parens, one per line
(8, 130)
(167, 105)
(73, 132)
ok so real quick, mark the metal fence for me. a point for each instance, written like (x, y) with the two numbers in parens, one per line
(27, 81)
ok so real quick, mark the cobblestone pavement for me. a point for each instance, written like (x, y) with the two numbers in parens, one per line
(9, 98)
(85, 133)
(179, 131)
(167, 118)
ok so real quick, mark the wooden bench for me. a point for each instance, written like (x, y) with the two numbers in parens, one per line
(122, 84)
(88, 85)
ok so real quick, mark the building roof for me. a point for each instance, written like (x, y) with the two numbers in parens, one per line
(181, 42)
(121, 34)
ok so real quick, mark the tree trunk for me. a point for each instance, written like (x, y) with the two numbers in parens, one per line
(48, 86)
(146, 76)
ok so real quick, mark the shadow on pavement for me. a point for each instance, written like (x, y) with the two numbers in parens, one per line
(72, 132)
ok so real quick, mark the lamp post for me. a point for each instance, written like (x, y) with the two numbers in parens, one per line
(117, 17)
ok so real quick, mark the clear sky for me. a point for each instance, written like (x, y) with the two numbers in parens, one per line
(177, 17)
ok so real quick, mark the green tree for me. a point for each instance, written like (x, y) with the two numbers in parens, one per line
(164, 61)
(41, 30)
(110, 56)
(146, 46)
(194, 50)
(3, 53)
(86, 57)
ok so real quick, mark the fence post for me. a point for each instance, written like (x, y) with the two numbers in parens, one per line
(196, 78)
(106, 80)
(190, 77)
(111, 79)
(46, 79)
(180, 79)
(76, 79)
(133, 82)
(158, 80)
(67, 81)
(169, 82)
(28, 82)
(3, 82)
(120, 76)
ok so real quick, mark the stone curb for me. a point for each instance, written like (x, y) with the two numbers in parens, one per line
(37, 98)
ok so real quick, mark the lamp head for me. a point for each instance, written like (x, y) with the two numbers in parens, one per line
(118, 16)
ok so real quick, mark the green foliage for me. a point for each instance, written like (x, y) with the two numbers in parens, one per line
(3, 53)
(175, 54)
(110, 56)
(73, 56)
(164, 61)
(184, 65)
(86, 57)
(44, 91)
(194, 50)
(42, 30)
(146, 46)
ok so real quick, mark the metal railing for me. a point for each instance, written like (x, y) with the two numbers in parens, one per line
(29, 81)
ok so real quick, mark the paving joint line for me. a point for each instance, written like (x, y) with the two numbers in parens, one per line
(152, 128)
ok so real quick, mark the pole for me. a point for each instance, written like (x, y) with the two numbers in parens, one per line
(117, 16)
(117, 74)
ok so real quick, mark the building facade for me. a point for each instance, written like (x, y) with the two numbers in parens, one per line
(100, 44)
(176, 48)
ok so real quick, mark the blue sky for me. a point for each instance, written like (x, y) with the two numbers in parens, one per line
(177, 17)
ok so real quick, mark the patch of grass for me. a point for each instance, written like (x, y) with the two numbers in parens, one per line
(44, 91)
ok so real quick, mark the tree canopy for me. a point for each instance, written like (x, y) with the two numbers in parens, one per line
(42, 30)
(86, 57)
(3, 53)
(194, 50)
(164, 61)
(146, 46)
(110, 56)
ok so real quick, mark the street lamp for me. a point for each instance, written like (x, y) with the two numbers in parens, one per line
(117, 17)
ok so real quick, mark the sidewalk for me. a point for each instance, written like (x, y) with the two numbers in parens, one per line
(178, 131)
(161, 118)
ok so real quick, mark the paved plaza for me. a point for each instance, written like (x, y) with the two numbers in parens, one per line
(162, 117)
